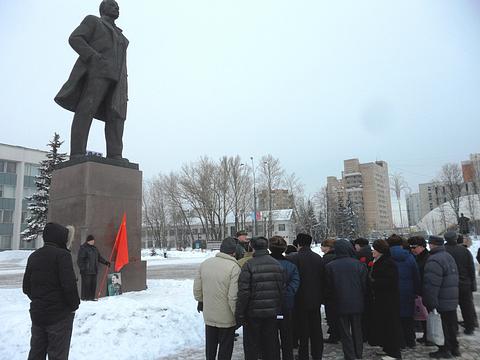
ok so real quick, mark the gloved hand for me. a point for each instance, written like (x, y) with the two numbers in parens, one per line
(108, 263)
(200, 306)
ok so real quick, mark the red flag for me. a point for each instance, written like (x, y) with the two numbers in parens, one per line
(121, 245)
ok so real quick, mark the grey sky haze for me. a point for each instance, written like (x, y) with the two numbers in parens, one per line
(311, 82)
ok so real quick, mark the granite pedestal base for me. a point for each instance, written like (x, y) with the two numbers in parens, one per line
(92, 195)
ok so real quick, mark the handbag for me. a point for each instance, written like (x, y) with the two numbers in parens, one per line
(434, 328)
(420, 312)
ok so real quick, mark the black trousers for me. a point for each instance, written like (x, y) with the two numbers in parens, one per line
(332, 321)
(350, 330)
(89, 286)
(309, 333)
(260, 339)
(285, 328)
(449, 325)
(52, 340)
(465, 300)
(94, 93)
(220, 339)
(408, 332)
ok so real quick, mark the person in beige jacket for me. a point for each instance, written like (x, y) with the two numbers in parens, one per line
(215, 288)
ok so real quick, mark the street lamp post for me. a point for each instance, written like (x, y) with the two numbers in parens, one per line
(254, 230)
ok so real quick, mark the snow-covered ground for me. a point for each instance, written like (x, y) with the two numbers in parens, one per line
(176, 257)
(140, 325)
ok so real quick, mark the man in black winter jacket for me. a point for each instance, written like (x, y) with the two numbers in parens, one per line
(87, 261)
(50, 283)
(440, 292)
(346, 288)
(261, 287)
(309, 298)
(467, 282)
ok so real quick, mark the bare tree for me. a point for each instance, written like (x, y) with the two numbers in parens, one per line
(241, 187)
(452, 179)
(155, 212)
(320, 201)
(398, 185)
(271, 176)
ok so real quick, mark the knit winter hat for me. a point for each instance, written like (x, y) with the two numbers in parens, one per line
(259, 243)
(228, 246)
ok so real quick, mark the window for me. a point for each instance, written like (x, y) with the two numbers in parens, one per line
(7, 191)
(281, 227)
(5, 242)
(24, 217)
(11, 167)
(6, 216)
(31, 170)
(2, 166)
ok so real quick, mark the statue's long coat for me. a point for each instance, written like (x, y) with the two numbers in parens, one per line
(95, 36)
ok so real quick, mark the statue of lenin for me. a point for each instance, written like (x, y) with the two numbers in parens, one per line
(97, 86)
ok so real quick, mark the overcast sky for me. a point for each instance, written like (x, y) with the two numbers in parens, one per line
(311, 82)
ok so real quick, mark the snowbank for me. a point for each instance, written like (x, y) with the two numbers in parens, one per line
(17, 257)
(141, 325)
(176, 257)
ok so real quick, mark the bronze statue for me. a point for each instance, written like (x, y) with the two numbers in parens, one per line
(97, 86)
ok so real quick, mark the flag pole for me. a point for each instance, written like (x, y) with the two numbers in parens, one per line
(106, 269)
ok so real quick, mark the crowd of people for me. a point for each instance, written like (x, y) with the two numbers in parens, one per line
(379, 293)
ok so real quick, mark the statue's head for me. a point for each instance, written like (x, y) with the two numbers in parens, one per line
(109, 8)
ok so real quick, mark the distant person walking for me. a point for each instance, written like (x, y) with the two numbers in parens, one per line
(50, 283)
(346, 286)
(309, 298)
(87, 261)
(440, 292)
(215, 288)
(260, 295)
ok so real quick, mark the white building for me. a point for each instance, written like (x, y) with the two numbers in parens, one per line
(282, 220)
(18, 168)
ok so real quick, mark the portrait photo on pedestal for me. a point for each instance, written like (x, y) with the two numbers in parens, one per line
(114, 284)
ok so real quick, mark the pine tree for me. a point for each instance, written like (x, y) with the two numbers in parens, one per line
(38, 202)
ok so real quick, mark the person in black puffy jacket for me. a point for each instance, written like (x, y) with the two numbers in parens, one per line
(261, 287)
(440, 292)
(467, 282)
(87, 261)
(50, 283)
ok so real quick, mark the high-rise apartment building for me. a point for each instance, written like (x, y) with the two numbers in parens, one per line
(18, 168)
(367, 188)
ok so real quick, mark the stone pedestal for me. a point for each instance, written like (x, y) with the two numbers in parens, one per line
(92, 194)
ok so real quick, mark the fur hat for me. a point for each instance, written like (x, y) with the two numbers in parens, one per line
(451, 237)
(381, 246)
(436, 240)
(228, 246)
(417, 241)
(395, 240)
(304, 239)
(361, 242)
(259, 243)
(241, 232)
(277, 244)
(55, 233)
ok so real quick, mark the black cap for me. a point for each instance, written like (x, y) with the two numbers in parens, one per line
(259, 243)
(451, 237)
(417, 241)
(436, 240)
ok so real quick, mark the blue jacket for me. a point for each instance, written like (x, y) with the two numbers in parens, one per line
(440, 281)
(408, 279)
(292, 281)
(346, 281)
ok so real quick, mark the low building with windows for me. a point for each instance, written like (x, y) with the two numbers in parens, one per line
(195, 235)
(18, 168)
